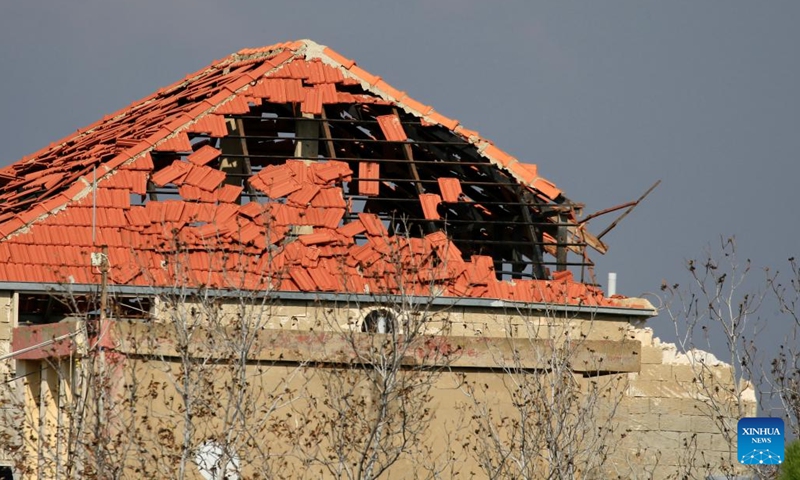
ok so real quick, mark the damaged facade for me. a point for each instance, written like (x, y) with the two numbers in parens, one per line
(344, 213)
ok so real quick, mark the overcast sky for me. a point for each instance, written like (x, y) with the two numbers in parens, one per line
(606, 97)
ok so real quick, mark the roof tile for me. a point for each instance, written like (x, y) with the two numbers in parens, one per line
(331, 171)
(204, 155)
(451, 189)
(174, 173)
(329, 197)
(373, 225)
(228, 193)
(391, 128)
(317, 238)
(312, 101)
(351, 229)
(430, 204)
(205, 178)
(368, 170)
(211, 124)
(190, 192)
(176, 143)
(276, 181)
(303, 197)
(446, 122)
(236, 106)
(547, 188)
(251, 210)
(340, 59)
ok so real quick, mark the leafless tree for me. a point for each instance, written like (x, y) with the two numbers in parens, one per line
(561, 420)
(719, 310)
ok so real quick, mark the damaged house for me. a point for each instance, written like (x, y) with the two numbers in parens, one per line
(283, 267)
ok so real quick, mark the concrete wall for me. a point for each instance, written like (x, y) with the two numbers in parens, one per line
(494, 377)
(9, 400)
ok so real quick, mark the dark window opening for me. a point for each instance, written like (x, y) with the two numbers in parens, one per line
(379, 321)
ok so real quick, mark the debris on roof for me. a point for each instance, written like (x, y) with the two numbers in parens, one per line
(289, 167)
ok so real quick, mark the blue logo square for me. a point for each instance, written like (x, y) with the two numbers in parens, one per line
(760, 441)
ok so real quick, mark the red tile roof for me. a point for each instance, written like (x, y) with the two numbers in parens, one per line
(305, 235)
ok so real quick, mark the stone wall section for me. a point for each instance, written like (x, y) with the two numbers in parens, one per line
(679, 413)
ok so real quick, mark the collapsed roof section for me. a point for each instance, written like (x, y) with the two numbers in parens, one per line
(289, 167)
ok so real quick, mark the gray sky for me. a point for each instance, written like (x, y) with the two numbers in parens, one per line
(606, 97)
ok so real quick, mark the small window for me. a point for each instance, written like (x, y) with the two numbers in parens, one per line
(6, 473)
(379, 321)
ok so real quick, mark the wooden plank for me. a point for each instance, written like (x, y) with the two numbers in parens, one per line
(326, 132)
(562, 238)
(536, 240)
(308, 129)
(248, 168)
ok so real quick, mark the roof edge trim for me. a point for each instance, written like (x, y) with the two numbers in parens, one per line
(57, 288)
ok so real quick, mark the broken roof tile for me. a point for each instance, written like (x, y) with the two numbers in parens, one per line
(303, 197)
(276, 181)
(173, 173)
(391, 128)
(525, 172)
(317, 238)
(430, 203)
(328, 93)
(143, 163)
(235, 106)
(351, 229)
(211, 124)
(312, 101)
(303, 280)
(228, 193)
(251, 210)
(329, 197)
(190, 192)
(204, 155)
(368, 170)
(204, 177)
(177, 143)
(331, 171)
(373, 225)
(546, 188)
(450, 189)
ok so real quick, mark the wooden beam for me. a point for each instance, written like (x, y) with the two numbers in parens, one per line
(562, 238)
(326, 132)
(308, 129)
(536, 240)
(248, 168)
(629, 210)
(237, 147)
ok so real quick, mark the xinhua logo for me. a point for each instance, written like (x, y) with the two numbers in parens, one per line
(760, 440)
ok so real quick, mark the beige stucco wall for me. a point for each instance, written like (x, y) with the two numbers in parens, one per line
(659, 415)
(9, 400)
